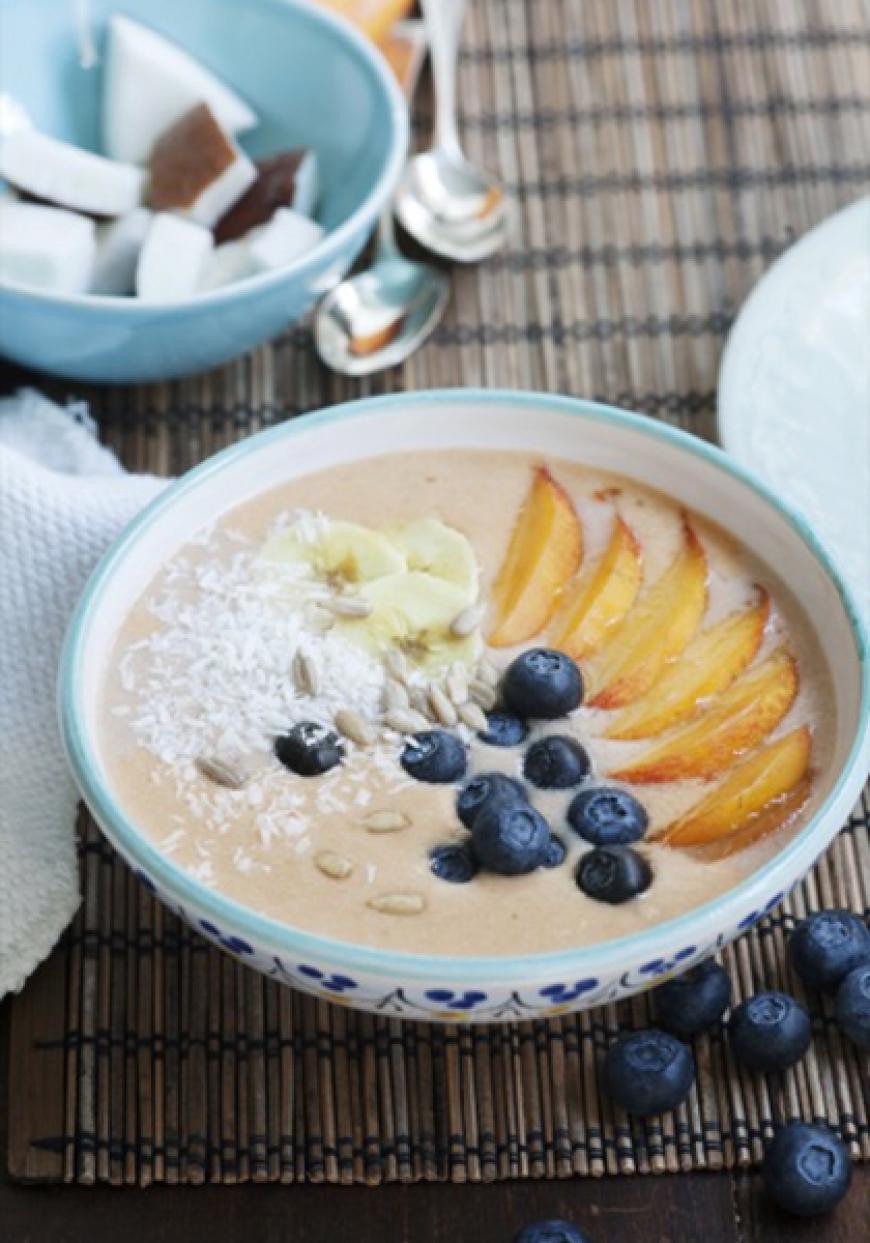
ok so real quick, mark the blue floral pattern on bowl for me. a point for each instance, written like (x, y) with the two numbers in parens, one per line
(453, 1002)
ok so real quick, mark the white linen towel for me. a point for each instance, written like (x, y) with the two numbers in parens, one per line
(63, 499)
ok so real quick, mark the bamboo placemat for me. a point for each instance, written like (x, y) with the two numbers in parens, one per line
(662, 155)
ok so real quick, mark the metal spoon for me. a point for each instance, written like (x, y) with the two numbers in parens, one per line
(445, 202)
(378, 317)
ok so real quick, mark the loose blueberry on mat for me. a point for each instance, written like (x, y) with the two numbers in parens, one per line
(503, 730)
(806, 1169)
(770, 1031)
(607, 816)
(648, 1072)
(613, 874)
(826, 945)
(309, 749)
(485, 790)
(454, 863)
(510, 839)
(553, 1231)
(694, 1001)
(853, 1006)
(542, 683)
(556, 763)
(556, 851)
(434, 756)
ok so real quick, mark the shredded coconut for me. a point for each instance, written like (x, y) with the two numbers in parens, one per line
(214, 678)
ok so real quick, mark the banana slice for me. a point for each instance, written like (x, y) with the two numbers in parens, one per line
(430, 546)
(339, 551)
(413, 611)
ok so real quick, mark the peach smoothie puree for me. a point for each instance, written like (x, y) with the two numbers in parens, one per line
(257, 625)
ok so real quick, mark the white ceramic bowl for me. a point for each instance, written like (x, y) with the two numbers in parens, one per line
(427, 986)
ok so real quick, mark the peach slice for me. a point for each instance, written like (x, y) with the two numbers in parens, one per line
(655, 630)
(755, 798)
(709, 664)
(544, 552)
(735, 722)
(601, 598)
(765, 822)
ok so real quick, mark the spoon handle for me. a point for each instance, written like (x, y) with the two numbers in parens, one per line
(443, 22)
(386, 246)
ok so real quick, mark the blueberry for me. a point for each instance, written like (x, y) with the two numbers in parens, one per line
(309, 749)
(553, 1231)
(484, 790)
(806, 1169)
(434, 756)
(556, 763)
(510, 838)
(607, 816)
(556, 851)
(853, 1006)
(454, 863)
(613, 874)
(648, 1072)
(694, 1001)
(770, 1031)
(503, 730)
(826, 945)
(542, 683)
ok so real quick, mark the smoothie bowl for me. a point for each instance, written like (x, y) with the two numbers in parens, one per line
(467, 705)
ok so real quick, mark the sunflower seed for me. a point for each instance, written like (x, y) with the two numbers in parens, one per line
(395, 694)
(224, 771)
(484, 696)
(487, 672)
(472, 716)
(355, 727)
(386, 821)
(397, 665)
(442, 709)
(466, 622)
(419, 701)
(306, 674)
(348, 606)
(405, 720)
(331, 864)
(456, 685)
(398, 903)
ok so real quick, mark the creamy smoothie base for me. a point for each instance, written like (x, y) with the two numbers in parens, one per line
(204, 666)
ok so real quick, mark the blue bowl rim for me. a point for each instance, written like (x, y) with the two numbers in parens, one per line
(752, 893)
(331, 244)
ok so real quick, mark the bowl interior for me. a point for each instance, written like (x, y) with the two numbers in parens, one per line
(308, 84)
(693, 473)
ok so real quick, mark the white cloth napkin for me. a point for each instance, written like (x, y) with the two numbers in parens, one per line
(63, 499)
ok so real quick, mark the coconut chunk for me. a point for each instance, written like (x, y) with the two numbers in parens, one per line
(150, 83)
(68, 176)
(172, 259)
(288, 179)
(13, 115)
(226, 264)
(286, 237)
(119, 244)
(197, 168)
(45, 247)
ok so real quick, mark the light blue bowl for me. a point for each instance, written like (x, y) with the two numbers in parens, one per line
(313, 81)
(470, 987)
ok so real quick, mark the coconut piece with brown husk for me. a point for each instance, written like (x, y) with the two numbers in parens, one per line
(197, 168)
(285, 180)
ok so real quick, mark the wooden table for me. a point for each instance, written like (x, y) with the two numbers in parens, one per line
(715, 1208)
